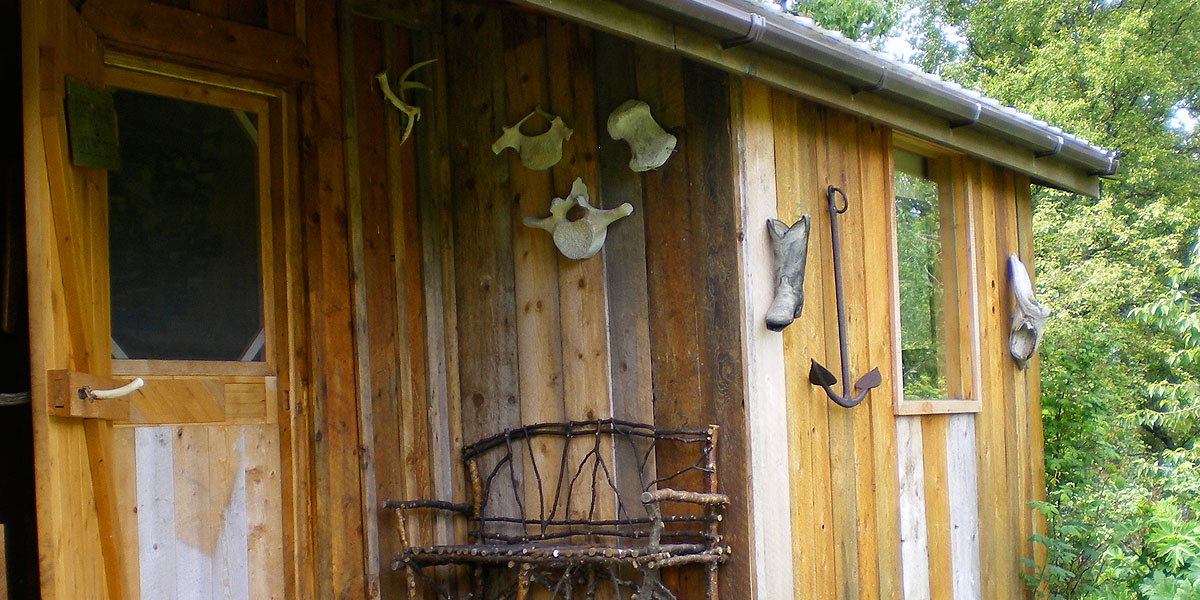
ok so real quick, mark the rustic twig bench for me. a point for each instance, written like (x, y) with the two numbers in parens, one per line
(568, 506)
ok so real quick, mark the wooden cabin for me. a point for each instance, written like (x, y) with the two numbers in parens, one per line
(218, 198)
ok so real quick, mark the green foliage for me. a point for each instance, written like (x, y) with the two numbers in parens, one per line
(862, 20)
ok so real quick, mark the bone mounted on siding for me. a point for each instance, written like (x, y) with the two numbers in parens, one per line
(790, 246)
(537, 152)
(584, 237)
(1028, 318)
(649, 144)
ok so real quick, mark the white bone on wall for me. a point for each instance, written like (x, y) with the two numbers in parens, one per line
(649, 144)
(1028, 318)
(584, 237)
(537, 152)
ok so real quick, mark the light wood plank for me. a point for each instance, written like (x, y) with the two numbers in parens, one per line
(156, 511)
(582, 297)
(264, 513)
(535, 269)
(754, 143)
(914, 538)
(962, 493)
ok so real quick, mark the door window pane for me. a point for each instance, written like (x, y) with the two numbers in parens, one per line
(184, 250)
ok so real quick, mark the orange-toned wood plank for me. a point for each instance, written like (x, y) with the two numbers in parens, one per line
(339, 551)
(812, 167)
(844, 430)
(582, 296)
(937, 506)
(200, 39)
(875, 152)
(535, 259)
(1032, 375)
(410, 310)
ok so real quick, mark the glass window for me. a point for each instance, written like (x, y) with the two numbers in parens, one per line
(933, 309)
(184, 246)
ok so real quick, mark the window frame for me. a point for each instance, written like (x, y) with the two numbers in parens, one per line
(944, 168)
(151, 77)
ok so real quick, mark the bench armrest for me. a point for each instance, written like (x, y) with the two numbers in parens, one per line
(713, 503)
(431, 504)
(670, 495)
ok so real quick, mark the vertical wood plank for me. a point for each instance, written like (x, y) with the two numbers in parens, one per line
(801, 160)
(156, 511)
(431, 149)
(716, 258)
(264, 520)
(937, 505)
(914, 540)
(962, 494)
(339, 532)
(536, 277)
(483, 261)
(360, 313)
(1031, 377)
(875, 161)
(582, 297)
(624, 256)
(196, 510)
(843, 434)
(414, 412)
(766, 399)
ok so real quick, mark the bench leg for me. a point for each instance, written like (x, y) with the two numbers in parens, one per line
(710, 586)
(523, 582)
(411, 576)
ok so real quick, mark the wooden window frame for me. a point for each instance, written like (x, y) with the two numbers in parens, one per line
(965, 365)
(241, 382)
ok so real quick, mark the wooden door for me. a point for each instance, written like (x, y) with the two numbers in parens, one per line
(174, 490)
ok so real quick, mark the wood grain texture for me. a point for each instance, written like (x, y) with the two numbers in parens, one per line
(766, 400)
(914, 529)
(482, 217)
(535, 269)
(624, 253)
(202, 40)
(338, 533)
(965, 516)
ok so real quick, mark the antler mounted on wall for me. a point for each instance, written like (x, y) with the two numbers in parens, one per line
(412, 112)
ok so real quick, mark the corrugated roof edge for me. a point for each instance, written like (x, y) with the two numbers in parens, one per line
(798, 39)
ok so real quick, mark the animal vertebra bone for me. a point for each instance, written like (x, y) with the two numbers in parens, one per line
(412, 112)
(1028, 318)
(538, 152)
(790, 246)
(582, 238)
(649, 144)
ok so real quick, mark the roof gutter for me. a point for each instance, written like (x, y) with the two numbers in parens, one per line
(864, 72)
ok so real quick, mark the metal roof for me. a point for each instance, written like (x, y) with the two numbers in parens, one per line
(765, 27)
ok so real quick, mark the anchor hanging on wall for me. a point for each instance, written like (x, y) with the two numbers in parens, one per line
(817, 374)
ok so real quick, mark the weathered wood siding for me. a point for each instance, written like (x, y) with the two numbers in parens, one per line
(886, 506)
